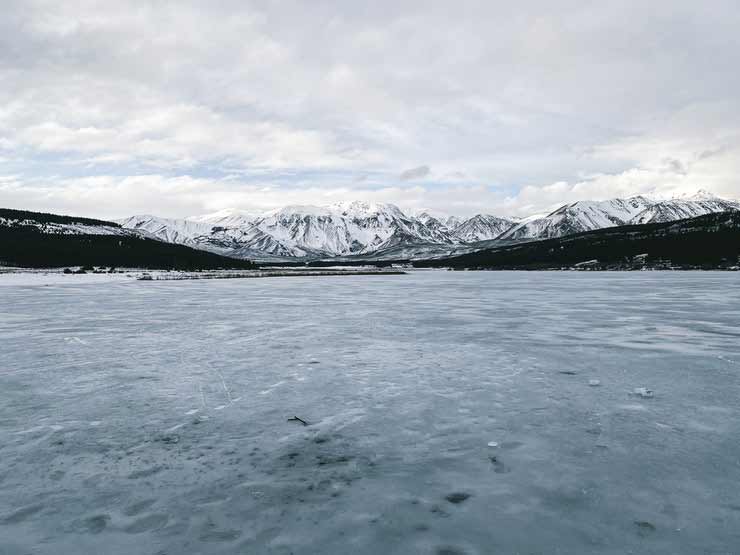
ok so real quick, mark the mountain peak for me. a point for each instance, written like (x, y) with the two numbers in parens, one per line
(364, 209)
(224, 214)
(366, 228)
(300, 209)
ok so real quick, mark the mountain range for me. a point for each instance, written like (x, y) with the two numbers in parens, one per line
(377, 230)
(707, 242)
(701, 231)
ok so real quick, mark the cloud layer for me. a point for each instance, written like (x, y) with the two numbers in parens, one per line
(180, 108)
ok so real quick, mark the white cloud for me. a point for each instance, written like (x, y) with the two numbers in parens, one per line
(525, 104)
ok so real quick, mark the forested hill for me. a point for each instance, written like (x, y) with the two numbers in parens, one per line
(706, 242)
(38, 240)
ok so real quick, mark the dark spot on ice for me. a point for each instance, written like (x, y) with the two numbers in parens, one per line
(421, 528)
(439, 511)
(568, 372)
(169, 439)
(321, 439)
(457, 497)
(449, 550)
(498, 466)
(314, 362)
(644, 527)
(323, 460)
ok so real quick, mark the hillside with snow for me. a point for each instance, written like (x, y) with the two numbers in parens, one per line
(40, 240)
(342, 229)
(583, 216)
(381, 230)
(356, 231)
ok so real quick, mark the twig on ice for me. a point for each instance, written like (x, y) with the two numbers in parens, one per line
(296, 419)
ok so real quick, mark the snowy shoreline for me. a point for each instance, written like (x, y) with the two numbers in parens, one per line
(57, 276)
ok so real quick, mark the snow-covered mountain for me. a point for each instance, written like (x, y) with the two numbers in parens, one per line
(447, 221)
(298, 231)
(227, 218)
(579, 216)
(686, 207)
(589, 215)
(377, 229)
(59, 225)
(166, 229)
(482, 227)
(241, 239)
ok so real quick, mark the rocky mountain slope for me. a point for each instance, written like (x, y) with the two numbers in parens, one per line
(582, 216)
(711, 241)
(362, 229)
(354, 228)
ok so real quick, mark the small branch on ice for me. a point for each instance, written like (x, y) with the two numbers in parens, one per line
(296, 419)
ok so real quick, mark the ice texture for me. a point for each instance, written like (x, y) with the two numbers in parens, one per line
(153, 417)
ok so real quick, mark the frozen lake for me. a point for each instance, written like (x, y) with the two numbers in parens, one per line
(151, 417)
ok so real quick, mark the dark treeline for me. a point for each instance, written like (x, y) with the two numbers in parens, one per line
(29, 247)
(710, 241)
(44, 218)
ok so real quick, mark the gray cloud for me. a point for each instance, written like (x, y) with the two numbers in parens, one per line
(518, 96)
(414, 173)
(675, 166)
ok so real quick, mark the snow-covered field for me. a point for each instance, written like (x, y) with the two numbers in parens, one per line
(449, 412)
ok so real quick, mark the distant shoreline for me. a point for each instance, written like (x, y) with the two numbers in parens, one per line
(267, 273)
(58, 276)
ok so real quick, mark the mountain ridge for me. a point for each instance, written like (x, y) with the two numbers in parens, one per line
(709, 241)
(370, 229)
(41, 240)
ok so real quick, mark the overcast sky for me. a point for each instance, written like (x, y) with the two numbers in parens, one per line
(180, 108)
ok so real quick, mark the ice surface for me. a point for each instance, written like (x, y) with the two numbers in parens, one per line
(111, 441)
